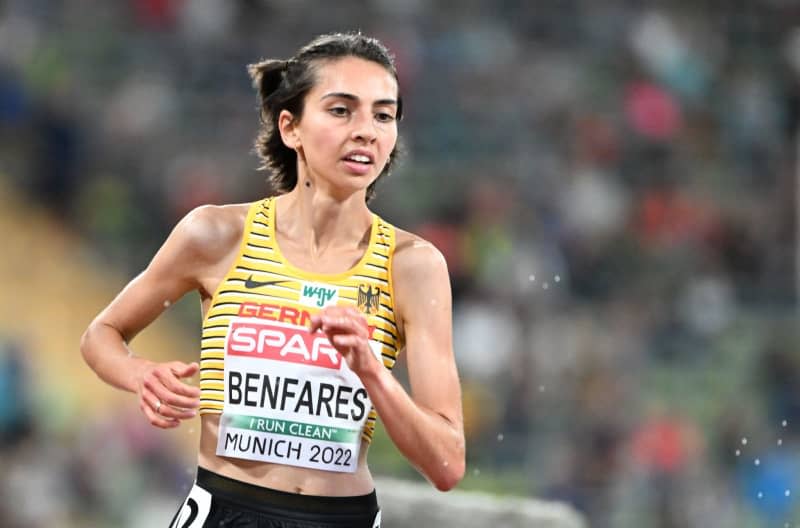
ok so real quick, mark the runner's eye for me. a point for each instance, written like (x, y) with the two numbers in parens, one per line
(339, 111)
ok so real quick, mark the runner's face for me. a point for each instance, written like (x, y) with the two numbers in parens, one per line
(349, 127)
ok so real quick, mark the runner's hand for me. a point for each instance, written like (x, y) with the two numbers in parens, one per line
(348, 333)
(164, 399)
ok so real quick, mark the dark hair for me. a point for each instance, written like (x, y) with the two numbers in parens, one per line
(283, 85)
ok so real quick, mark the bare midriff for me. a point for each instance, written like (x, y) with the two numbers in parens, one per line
(282, 477)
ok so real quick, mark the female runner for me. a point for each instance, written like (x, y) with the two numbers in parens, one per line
(307, 298)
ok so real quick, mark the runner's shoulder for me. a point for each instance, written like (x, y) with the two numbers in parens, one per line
(209, 232)
(413, 254)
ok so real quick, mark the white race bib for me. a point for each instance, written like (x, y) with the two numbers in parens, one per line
(290, 398)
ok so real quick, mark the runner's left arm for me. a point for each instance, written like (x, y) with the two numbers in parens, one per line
(426, 425)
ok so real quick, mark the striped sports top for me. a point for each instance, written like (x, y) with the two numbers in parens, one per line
(262, 310)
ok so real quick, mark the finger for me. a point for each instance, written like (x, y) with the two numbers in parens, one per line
(158, 420)
(174, 384)
(348, 341)
(162, 408)
(166, 391)
(344, 325)
(150, 400)
(147, 404)
(182, 370)
(168, 411)
(316, 324)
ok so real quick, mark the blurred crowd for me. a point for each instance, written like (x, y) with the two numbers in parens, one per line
(612, 185)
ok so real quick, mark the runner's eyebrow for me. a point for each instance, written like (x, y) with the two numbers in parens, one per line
(351, 97)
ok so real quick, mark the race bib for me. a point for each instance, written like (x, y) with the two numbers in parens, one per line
(290, 398)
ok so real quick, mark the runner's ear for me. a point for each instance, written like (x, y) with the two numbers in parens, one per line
(287, 126)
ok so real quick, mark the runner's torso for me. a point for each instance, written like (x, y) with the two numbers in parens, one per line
(279, 406)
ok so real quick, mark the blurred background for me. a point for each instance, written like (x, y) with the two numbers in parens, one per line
(613, 185)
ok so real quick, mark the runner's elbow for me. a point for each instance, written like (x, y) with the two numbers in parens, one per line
(450, 476)
(452, 471)
(86, 347)
(89, 343)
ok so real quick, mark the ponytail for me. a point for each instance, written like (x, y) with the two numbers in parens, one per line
(267, 77)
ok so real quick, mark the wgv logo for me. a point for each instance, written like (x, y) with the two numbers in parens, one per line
(320, 295)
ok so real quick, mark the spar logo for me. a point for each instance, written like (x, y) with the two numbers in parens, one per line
(266, 340)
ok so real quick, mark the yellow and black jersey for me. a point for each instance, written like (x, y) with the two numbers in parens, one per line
(262, 310)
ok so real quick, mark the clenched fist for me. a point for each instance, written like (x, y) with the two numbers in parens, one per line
(347, 330)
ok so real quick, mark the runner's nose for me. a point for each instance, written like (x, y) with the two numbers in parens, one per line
(364, 129)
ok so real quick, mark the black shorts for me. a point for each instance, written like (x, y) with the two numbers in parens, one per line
(217, 501)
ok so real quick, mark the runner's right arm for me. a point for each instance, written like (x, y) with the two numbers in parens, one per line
(182, 263)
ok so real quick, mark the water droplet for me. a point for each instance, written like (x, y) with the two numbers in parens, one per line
(738, 452)
(541, 388)
(744, 441)
(500, 437)
(757, 462)
(787, 492)
(531, 278)
(446, 463)
(167, 303)
(780, 441)
(557, 278)
(784, 423)
(191, 430)
(476, 472)
(545, 285)
(760, 495)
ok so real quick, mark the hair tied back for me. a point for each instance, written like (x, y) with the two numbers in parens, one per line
(267, 76)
